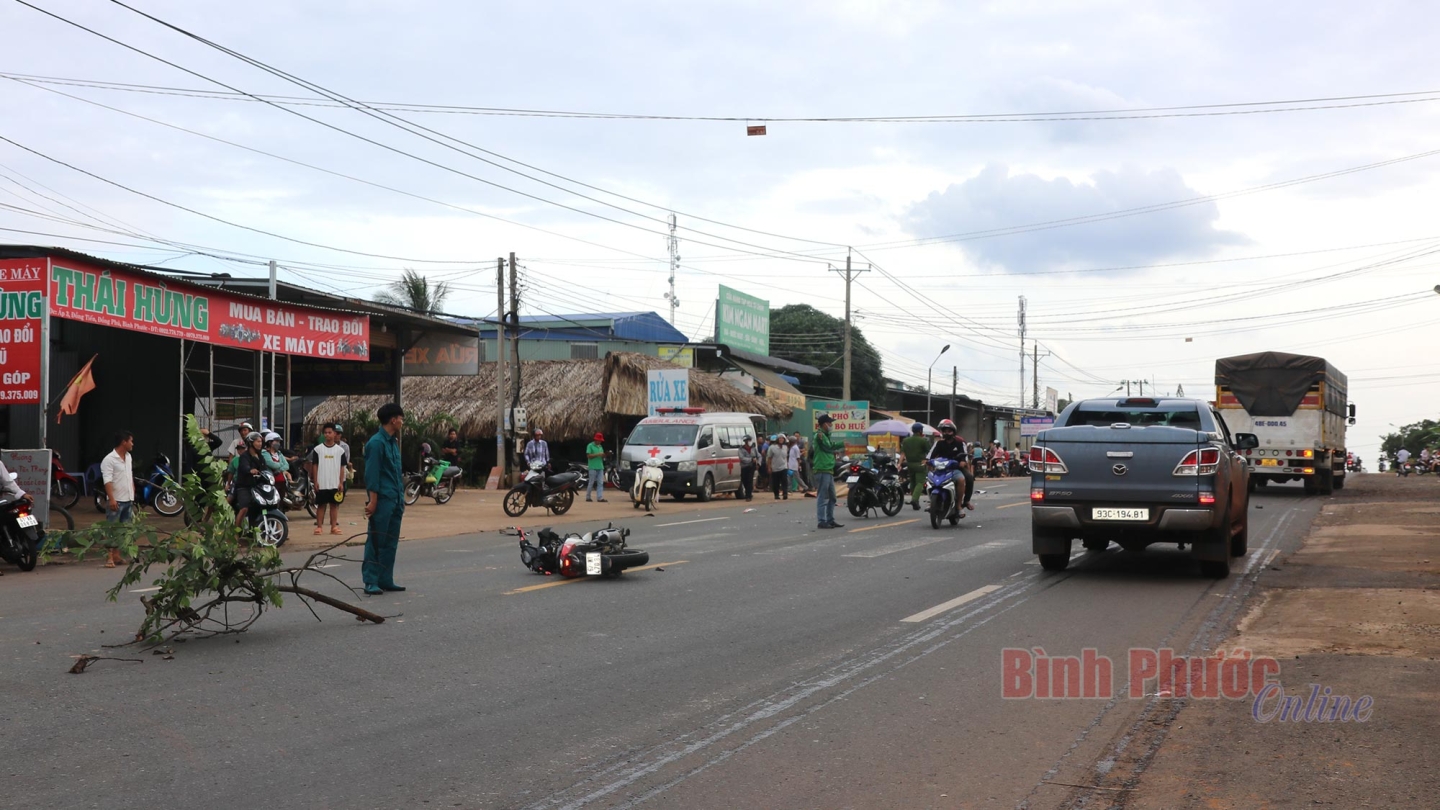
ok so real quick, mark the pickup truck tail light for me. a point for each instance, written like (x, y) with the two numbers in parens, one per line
(1207, 499)
(1037, 495)
(1045, 460)
(1199, 462)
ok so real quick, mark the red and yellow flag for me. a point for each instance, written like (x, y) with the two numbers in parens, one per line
(82, 384)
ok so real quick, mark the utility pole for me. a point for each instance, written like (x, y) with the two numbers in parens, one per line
(674, 244)
(1127, 388)
(515, 343)
(1022, 352)
(954, 389)
(501, 459)
(271, 409)
(1035, 369)
(849, 276)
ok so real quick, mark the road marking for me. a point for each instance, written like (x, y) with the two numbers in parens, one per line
(677, 541)
(903, 546)
(557, 583)
(1012, 505)
(969, 553)
(1273, 554)
(884, 525)
(684, 522)
(146, 590)
(331, 565)
(952, 604)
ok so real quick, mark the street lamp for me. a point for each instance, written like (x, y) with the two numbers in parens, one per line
(929, 383)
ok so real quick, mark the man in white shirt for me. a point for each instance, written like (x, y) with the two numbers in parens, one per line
(237, 446)
(116, 471)
(327, 463)
(9, 490)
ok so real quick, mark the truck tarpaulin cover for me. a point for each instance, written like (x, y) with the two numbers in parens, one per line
(1272, 383)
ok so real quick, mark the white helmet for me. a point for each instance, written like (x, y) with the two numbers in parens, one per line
(272, 436)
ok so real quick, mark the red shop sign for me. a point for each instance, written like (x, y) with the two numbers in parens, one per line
(22, 316)
(127, 300)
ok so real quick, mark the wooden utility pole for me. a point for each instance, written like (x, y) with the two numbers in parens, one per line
(954, 389)
(515, 335)
(501, 459)
(849, 272)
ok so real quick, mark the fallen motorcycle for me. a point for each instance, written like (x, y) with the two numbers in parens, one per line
(601, 553)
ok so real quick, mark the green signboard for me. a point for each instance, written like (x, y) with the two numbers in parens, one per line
(742, 321)
(852, 419)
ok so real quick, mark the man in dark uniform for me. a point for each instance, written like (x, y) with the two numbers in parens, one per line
(384, 501)
(913, 451)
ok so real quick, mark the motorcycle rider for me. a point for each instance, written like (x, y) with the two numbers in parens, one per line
(914, 449)
(237, 447)
(1402, 457)
(952, 446)
(248, 467)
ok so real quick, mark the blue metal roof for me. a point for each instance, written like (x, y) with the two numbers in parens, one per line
(643, 327)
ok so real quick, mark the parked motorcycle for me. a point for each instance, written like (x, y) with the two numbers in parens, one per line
(64, 488)
(265, 516)
(436, 479)
(648, 478)
(157, 490)
(555, 493)
(944, 482)
(874, 487)
(296, 491)
(600, 553)
(20, 534)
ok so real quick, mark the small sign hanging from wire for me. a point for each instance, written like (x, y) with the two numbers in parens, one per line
(755, 130)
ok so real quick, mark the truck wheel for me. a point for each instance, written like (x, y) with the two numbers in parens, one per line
(1054, 562)
(1326, 482)
(1339, 482)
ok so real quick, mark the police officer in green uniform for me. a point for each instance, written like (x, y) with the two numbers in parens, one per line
(914, 448)
(384, 501)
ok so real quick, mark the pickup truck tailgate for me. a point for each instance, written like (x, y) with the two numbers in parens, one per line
(1128, 464)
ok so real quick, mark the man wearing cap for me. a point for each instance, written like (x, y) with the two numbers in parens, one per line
(537, 450)
(235, 448)
(826, 446)
(595, 462)
(749, 457)
(384, 501)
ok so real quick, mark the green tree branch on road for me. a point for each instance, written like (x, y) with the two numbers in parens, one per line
(207, 566)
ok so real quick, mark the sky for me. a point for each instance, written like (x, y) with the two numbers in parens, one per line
(1147, 240)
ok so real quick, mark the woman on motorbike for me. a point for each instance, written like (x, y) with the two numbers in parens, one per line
(248, 466)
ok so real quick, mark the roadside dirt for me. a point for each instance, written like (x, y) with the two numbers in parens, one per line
(1355, 610)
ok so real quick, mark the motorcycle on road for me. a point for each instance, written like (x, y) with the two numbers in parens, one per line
(436, 479)
(648, 479)
(874, 487)
(20, 534)
(555, 493)
(944, 482)
(600, 553)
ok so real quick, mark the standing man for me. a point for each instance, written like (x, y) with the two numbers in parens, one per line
(450, 450)
(327, 463)
(825, 449)
(913, 451)
(117, 473)
(537, 449)
(595, 462)
(349, 457)
(384, 501)
(749, 457)
(777, 459)
(802, 472)
(237, 447)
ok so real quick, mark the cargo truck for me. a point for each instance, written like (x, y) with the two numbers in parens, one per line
(1299, 408)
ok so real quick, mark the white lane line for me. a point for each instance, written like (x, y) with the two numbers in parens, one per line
(969, 553)
(685, 522)
(331, 565)
(896, 547)
(1270, 557)
(951, 605)
(145, 590)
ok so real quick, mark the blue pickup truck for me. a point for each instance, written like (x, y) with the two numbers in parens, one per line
(1138, 471)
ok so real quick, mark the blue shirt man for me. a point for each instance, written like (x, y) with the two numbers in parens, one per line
(384, 501)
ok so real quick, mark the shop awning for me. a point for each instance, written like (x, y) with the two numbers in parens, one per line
(776, 388)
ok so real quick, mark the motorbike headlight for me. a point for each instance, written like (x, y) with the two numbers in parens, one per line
(686, 466)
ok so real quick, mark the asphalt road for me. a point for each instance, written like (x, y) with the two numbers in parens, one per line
(767, 665)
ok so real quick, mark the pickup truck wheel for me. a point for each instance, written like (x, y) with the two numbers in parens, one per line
(1240, 543)
(1094, 543)
(1054, 562)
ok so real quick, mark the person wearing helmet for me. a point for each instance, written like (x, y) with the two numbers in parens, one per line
(538, 450)
(273, 456)
(248, 466)
(913, 450)
(952, 446)
(237, 448)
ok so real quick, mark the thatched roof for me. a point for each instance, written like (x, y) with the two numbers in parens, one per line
(570, 399)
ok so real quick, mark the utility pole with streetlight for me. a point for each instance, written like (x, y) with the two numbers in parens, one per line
(930, 383)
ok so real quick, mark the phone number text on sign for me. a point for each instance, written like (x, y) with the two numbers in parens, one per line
(22, 315)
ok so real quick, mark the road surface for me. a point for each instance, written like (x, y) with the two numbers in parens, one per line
(768, 664)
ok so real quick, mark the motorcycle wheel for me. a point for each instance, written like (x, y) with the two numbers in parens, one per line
(168, 503)
(29, 556)
(274, 529)
(567, 500)
(935, 512)
(412, 493)
(852, 502)
(954, 519)
(648, 499)
(444, 492)
(892, 501)
(67, 493)
(516, 502)
(100, 501)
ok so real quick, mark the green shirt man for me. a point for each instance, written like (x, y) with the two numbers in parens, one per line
(914, 448)
(595, 462)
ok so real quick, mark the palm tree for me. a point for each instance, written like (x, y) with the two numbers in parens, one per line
(414, 291)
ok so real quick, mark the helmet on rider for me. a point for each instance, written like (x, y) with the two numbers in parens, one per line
(947, 427)
(252, 437)
(272, 436)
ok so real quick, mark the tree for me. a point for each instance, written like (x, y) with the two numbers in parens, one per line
(803, 334)
(1414, 437)
(414, 291)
